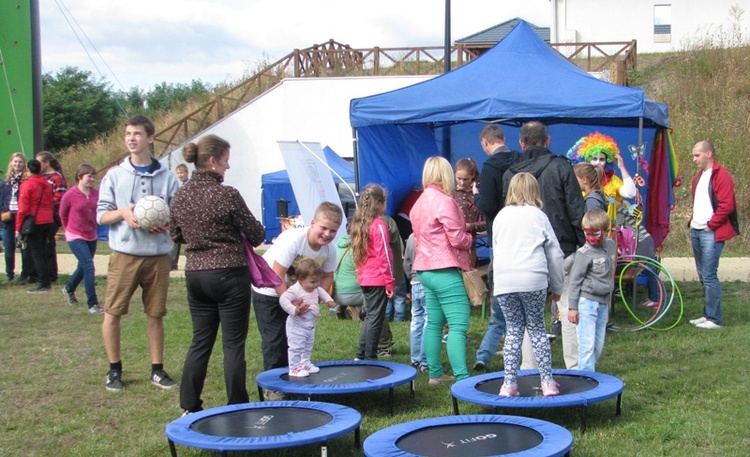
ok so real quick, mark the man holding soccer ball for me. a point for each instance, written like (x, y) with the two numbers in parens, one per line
(139, 257)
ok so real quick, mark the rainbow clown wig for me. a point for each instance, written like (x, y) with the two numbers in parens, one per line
(591, 145)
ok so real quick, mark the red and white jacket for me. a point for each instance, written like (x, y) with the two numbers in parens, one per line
(724, 220)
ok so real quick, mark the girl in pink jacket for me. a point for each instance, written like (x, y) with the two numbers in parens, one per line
(370, 245)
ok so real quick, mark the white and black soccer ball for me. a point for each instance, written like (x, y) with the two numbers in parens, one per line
(151, 211)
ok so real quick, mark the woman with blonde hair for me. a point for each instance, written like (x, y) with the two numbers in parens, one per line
(16, 174)
(442, 247)
(528, 263)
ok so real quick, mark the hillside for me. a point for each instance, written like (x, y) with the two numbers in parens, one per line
(708, 95)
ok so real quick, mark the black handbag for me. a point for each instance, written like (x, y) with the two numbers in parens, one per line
(29, 222)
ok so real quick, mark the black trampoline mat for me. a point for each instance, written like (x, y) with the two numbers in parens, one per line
(474, 439)
(262, 422)
(342, 374)
(530, 386)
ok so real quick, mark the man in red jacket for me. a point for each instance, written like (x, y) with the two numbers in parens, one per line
(714, 221)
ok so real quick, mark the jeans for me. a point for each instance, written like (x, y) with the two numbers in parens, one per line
(592, 328)
(446, 300)
(217, 297)
(418, 324)
(495, 333)
(707, 252)
(9, 246)
(84, 252)
(396, 309)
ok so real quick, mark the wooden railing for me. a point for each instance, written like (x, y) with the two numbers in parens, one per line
(336, 59)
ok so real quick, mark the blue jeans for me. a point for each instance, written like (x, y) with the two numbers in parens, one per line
(707, 252)
(495, 333)
(418, 324)
(9, 246)
(446, 299)
(592, 328)
(396, 308)
(84, 252)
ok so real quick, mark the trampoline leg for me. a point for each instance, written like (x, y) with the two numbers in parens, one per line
(619, 405)
(324, 450)
(172, 449)
(356, 438)
(455, 406)
(260, 393)
(390, 402)
(583, 420)
(413, 390)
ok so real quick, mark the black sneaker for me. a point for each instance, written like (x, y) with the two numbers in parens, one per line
(161, 379)
(114, 381)
(69, 296)
(39, 289)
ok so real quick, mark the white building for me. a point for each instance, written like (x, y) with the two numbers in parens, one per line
(658, 26)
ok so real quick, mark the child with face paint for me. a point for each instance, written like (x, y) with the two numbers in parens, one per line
(591, 285)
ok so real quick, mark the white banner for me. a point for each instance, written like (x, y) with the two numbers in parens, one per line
(311, 178)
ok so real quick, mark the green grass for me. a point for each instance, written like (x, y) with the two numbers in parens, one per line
(685, 389)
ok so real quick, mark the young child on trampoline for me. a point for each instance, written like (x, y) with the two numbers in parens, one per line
(591, 285)
(300, 325)
(528, 263)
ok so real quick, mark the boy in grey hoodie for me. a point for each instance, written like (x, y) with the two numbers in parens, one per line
(139, 257)
(591, 285)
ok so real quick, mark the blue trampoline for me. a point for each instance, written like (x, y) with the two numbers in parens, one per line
(342, 377)
(577, 388)
(471, 436)
(262, 426)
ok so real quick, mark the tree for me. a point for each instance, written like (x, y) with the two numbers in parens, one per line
(167, 96)
(77, 108)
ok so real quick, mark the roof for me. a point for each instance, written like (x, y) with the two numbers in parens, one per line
(497, 32)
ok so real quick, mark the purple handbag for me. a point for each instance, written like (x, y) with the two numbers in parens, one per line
(261, 275)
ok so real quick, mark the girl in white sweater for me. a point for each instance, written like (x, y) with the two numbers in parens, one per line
(528, 263)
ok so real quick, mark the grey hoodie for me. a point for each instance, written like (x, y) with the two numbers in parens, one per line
(122, 187)
(592, 275)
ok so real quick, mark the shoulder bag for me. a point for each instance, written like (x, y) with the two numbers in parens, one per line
(29, 222)
(261, 275)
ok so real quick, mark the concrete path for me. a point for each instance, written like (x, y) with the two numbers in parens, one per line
(681, 268)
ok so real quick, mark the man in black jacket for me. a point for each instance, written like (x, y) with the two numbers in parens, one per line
(563, 205)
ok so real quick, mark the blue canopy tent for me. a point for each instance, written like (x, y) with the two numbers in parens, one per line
(277, 186)
(519, 79)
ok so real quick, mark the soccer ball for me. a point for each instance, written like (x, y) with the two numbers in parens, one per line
(151, 211)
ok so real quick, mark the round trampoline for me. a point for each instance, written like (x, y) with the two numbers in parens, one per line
(261, 426)
(342, 377)
(577, 388)
(471, 436)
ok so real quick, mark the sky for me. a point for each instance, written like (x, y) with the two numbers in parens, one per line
(146, 42)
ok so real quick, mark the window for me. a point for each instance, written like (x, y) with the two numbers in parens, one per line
(662, 23)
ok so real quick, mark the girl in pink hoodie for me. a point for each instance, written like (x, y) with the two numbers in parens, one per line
(370, 245)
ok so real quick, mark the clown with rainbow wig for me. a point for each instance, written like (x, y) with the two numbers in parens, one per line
(599, 150)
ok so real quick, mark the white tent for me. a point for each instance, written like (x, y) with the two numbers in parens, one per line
(307, 109)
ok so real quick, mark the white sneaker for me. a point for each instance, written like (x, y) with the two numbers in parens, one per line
(700, 320)
(708, 325)
(299, 373)
(310, 368)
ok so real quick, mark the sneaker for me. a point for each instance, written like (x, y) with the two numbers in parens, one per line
(445, 339)
(443, 378)
(551, 336)
(424, 368)
(384, 353)
(415, 365)
(7, 280)
(707, 324)
(69, 296)
(700, 320)
(648, 304)
(310, 368)
(39, 289)
(186, 413)
(114, 381)
(549, 389)
(22, 281)
(274, 395)
(96, 309)
(509, 391)
(479, 365)
(299, 372)
(161, 379)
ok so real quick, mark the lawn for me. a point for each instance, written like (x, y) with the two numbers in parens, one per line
(685, 395)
